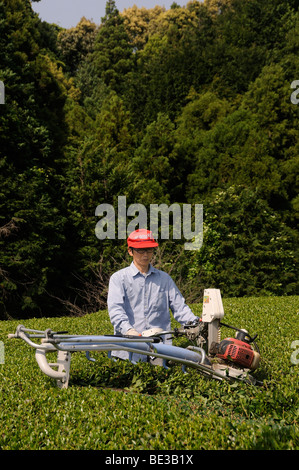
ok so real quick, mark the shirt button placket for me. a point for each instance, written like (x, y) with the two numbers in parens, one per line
(145, 303)
(145, 300)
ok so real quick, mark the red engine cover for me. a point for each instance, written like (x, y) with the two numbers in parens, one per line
(237, 351)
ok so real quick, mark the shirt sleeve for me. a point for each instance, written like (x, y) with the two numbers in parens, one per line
(116, 305)
(181, 311)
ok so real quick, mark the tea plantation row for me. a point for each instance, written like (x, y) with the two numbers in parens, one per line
(117, 406)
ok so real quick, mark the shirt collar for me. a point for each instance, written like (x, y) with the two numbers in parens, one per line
(135, 270)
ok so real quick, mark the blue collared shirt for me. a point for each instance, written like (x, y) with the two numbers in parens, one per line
(142, 301)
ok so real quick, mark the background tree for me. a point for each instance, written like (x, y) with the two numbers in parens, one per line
(185, 105)
(75, 43)
(247, 247)
(33, 133)
(112, 52)
(140, 24)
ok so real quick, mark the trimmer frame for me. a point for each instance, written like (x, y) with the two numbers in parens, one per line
(150, 346)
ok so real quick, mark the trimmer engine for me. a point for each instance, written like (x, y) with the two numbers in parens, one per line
(236, 351)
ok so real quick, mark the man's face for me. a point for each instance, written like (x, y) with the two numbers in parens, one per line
(142, 256)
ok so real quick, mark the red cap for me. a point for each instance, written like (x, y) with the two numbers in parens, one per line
(141, 238)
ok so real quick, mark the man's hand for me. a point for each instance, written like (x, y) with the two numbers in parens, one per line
(132, 332)
(194, 322)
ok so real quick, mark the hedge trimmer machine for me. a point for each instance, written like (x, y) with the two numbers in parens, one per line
(230, 359)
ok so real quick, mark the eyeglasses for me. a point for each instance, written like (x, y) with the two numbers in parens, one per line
(144, 250)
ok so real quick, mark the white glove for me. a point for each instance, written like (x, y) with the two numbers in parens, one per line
(152, 331)
(132, 332)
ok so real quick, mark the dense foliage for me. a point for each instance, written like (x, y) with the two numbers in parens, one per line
(115, 405)
(186, 105)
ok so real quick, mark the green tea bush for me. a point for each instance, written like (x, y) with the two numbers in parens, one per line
(116, 405)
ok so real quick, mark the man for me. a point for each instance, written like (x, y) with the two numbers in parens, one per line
(140, 296)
